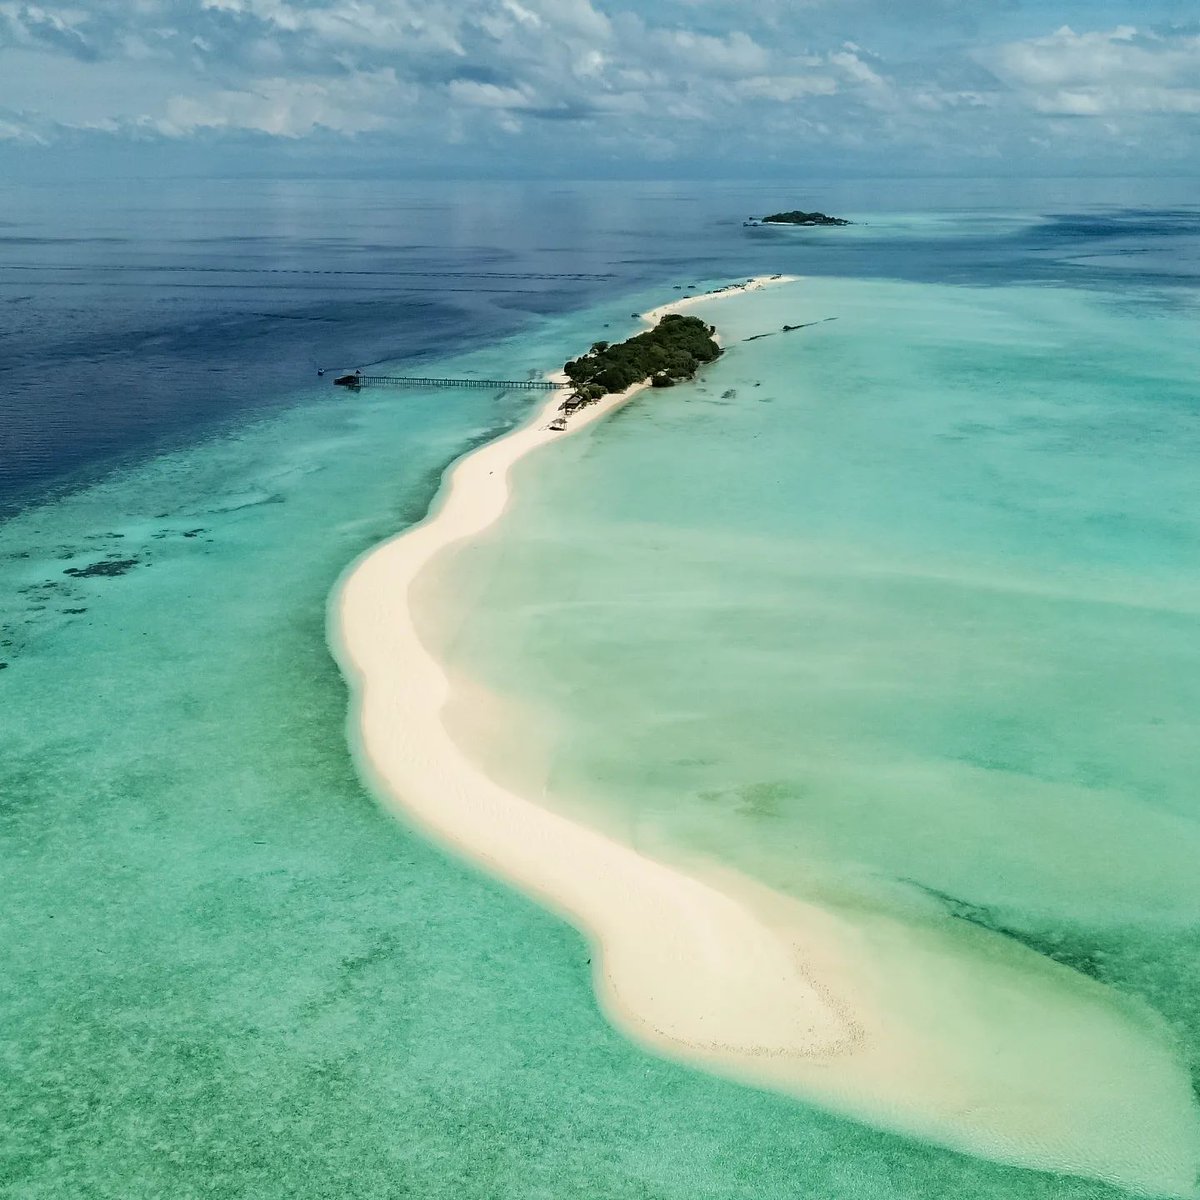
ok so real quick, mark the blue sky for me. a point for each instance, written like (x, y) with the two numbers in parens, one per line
(603, 87)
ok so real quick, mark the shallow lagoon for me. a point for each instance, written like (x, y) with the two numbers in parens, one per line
(894, 612)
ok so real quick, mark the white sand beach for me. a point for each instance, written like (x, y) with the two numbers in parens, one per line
(865, 1018)
(655, 315)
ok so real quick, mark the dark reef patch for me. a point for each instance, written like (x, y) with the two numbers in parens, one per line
(184, 533)
(1058, 947)
(106, 568)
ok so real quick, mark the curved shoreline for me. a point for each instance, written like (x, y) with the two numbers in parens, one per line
(692, 989)
(723, 974)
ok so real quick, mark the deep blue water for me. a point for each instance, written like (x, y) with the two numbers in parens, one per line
(142, 316)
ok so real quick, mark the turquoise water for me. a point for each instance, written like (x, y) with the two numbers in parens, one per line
(225, 972)
(896, 613)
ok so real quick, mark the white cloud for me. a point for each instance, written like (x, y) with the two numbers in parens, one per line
(487, 95)
(788, 88)
(854, 68)
(32, 25)
(679, 77)
(1118, 72)
(290, 108)
(736, 54)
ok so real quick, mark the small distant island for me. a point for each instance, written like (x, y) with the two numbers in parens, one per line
(672, 351)
(798, 218)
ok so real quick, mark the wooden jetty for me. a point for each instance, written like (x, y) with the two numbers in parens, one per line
(408, 381)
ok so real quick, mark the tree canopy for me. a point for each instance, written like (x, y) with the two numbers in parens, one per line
(797, 217)
(671, 351)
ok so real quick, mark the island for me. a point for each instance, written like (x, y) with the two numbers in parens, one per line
(797, 217)
(672, 351)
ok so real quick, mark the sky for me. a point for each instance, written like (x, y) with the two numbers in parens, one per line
(598, 88)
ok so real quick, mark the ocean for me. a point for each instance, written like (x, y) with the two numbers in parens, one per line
(895, 611)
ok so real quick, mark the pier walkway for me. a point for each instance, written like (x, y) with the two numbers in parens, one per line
(361, 381)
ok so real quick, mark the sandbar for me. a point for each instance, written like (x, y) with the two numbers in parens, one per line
(1010, 1057)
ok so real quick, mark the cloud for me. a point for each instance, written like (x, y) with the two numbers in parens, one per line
(16, 127)
(734, 55)
(534, 80)
(1119, 72)
(501, 60)
(786, 89)
(855, 68)
(30, 25)
(487, 95)
(291, 108)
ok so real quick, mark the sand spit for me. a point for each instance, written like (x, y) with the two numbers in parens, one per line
(1004, 1055)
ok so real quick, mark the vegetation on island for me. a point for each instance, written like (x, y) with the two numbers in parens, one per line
(673, 350)
(796, 217)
